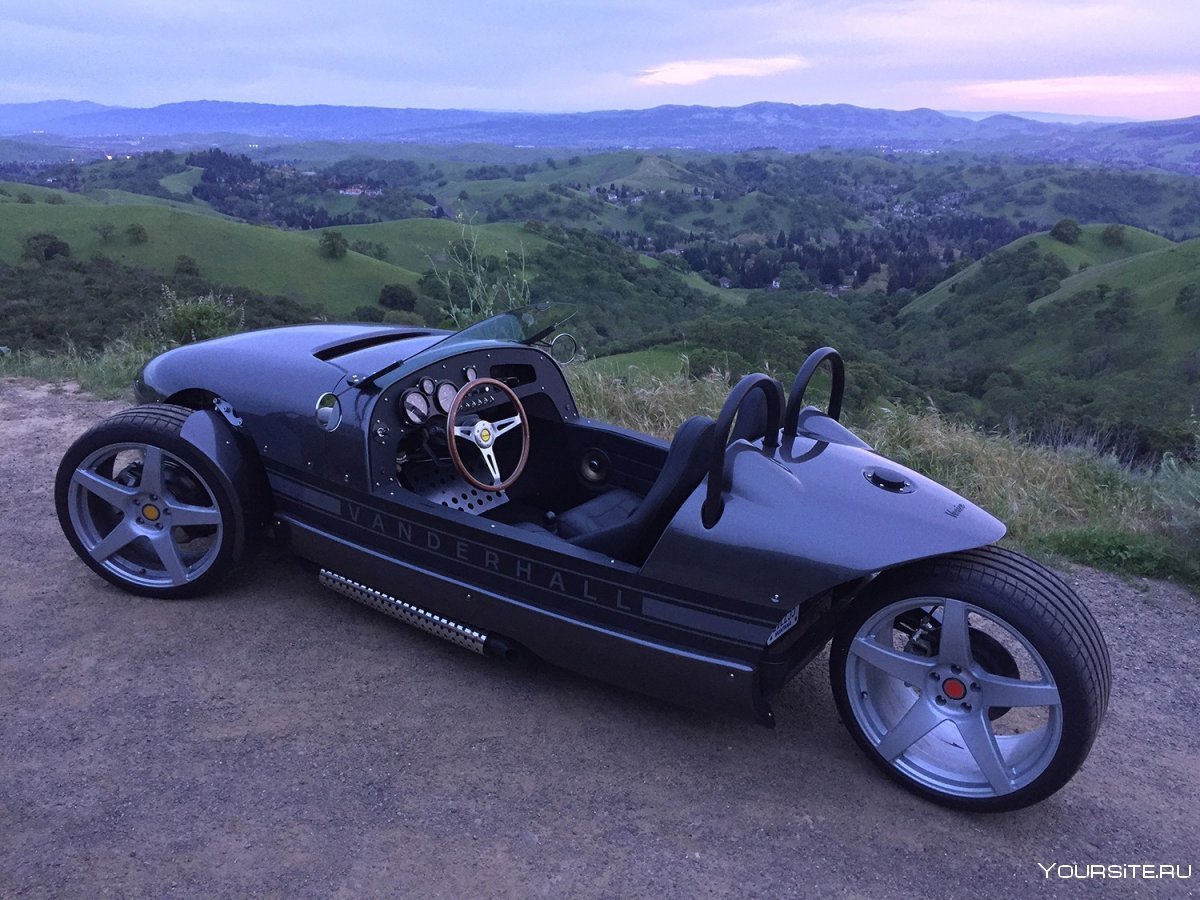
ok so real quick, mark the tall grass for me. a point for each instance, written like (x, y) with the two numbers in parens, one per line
(1031, 487)
(109, 373)
(106, 373)
(643, 401)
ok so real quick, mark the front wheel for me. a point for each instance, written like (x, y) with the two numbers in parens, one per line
(144, 508)
(977, 680)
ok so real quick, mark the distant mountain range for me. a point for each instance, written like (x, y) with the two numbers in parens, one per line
(1171, 145)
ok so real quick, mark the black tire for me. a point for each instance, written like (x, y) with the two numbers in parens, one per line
(144, 508)
(916, 697)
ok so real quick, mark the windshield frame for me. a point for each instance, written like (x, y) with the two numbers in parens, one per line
(524, 325)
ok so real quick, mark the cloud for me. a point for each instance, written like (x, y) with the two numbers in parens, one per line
(695, 71)
(1152, 95)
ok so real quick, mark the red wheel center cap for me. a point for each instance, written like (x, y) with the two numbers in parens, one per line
(954, 689)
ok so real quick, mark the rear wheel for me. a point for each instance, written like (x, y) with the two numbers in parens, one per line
(977, 680)
(144, 508)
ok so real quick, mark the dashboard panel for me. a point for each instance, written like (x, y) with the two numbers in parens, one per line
(408, 419)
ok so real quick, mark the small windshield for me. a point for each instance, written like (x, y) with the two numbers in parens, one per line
(526, 325)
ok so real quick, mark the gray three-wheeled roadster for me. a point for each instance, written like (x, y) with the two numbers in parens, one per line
(449, 480)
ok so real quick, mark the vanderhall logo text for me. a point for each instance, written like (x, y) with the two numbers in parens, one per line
(1122, 870)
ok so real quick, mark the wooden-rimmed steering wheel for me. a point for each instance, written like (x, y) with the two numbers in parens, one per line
(483, 434)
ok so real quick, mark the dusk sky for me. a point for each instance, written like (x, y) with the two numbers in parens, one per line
(1135, 60)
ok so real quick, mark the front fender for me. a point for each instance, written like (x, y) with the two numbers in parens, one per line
(809, 518)
(233, 455)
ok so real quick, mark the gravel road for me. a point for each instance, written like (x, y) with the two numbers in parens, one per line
(278, 740)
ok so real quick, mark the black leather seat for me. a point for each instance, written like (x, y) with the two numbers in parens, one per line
(626, 526)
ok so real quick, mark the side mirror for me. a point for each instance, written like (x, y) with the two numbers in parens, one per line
(563, 348)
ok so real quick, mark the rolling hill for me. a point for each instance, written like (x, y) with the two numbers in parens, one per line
(1090, 251)
(286, 263)
(1087, 335)
(620, 298)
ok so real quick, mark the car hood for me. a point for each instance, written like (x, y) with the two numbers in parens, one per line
(318, 353)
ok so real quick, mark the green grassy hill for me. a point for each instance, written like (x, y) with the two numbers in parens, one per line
(1152, 281)
(257, 257)
(1047, 193)
(663, 361)
(621, 300)
(115, 197)
(1090, 335)
(1156, 274)
(411, 243)
(1091, 251)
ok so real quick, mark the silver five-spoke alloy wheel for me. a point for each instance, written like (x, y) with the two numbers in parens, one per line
(145, 508)
(975, 679)
(929, 715)
(158, 526)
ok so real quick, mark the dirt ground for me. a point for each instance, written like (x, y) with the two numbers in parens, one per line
(278, 740)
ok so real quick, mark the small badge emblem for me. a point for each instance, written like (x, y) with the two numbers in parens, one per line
(785, 624)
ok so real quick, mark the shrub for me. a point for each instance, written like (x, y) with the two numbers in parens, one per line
(704, 362)
(188, 319)
(1113, 235)
(398, 296)
(400, 317)
(367, 314)
(334, 244)
(186, 265)
(1067, 231)
(370, 248)
(43, 247)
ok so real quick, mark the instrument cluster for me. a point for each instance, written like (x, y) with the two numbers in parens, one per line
(428, 397)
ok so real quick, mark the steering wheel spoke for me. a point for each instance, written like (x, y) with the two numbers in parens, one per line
(506, 425)
(489, 460)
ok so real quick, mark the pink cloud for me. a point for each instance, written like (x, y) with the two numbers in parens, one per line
(1141, 96)
(695, 71)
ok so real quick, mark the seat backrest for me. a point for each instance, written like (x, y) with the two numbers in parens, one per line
(687, 460)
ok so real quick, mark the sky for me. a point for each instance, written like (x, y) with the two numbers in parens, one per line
(1138, 60)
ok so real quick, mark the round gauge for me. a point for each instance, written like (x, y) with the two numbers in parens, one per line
(445, 395)
(415, 406)
(470, 373)
(427, 386)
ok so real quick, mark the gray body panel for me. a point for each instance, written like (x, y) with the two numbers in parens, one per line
(806, 519)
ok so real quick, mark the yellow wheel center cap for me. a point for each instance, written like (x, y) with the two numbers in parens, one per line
(485, 435)
(150, 512)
